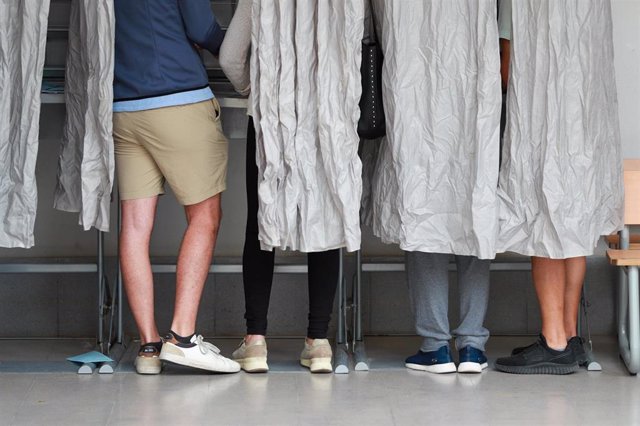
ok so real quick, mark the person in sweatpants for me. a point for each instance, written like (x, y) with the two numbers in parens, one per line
(428, 279)
(434, 188)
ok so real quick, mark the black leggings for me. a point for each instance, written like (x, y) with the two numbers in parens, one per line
(257, 266)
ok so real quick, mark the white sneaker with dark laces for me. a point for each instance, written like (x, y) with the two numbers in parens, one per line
(197, 354)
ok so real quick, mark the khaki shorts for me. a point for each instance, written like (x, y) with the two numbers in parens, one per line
(183, 145)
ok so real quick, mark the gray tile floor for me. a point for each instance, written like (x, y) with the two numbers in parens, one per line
(52, 394)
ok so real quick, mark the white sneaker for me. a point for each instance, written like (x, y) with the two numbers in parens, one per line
(197, 354)
(148, 360)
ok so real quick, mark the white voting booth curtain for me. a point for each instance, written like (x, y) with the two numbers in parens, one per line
(306, 84)
(560, 183)
(23, 36)
(86, 163)
(434, 183)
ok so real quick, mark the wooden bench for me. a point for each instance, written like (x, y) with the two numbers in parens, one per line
(613, 241)
(626, 256)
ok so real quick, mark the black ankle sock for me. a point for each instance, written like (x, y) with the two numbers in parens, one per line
(157, 345)
(182, 339)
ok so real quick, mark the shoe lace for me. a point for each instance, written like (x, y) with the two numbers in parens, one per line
(532, 349)
(531, 346)
(206, 347)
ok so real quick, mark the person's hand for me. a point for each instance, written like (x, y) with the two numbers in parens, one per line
(505, 51)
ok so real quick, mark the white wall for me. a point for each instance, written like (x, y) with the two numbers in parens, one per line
(626, 15)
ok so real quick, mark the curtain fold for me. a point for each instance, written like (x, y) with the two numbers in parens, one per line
(23, 36)
(434, 183)
(305, 76)
(561, 179)
(86, 162)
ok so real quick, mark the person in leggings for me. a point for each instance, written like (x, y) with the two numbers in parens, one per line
(257, 264)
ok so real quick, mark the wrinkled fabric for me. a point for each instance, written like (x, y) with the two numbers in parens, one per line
(435, 179)
(306, 86)
(560, 183)
(23, 36)
(86, 162)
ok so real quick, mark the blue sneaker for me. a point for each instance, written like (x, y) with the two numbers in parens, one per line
(472, 360)
(434, 362)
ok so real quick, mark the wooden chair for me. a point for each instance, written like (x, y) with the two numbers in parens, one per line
(626, 256)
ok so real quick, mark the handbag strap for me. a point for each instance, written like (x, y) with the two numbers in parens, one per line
(370, 23)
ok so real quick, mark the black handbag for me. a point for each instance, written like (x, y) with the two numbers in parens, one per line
(372, 118)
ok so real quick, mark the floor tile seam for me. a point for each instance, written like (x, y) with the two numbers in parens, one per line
(23, 401)
(111, 413)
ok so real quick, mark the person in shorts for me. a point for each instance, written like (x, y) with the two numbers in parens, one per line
(167, 128)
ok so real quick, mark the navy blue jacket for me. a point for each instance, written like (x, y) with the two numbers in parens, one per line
(155, 53)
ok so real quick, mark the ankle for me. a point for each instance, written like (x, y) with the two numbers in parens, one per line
(157, 345)
(181, 330)
(150, 338)
(311, 340)
(557, 343)
(253, 338)
(181, 338)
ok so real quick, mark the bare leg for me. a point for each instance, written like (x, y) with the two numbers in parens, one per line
(575, 269)
(137, 224)
(549, 281)
(194, 260)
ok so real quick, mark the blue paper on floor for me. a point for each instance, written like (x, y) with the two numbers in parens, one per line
(53, 88)
(93, 356)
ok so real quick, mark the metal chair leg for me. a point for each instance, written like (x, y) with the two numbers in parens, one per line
(630, 344)
(359, 352)
(628, 312)
(592, 363)
(341, 357)
(100, 340)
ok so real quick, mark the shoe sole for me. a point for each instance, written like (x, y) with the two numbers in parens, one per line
(186, 362)
(318, 365)
(583, 360)
(471, 367)
(148, 366)
(449, 367)
(543, 368)
(254, 365)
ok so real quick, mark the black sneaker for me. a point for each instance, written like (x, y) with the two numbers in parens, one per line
(539, 358)
(517, 350)
(576, 343)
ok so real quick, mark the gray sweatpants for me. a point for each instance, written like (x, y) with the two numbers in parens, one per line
(428, 279)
